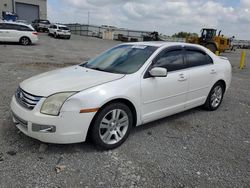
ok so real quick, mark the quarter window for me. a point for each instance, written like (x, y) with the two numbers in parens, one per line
(171, 60)
(1, 26)
(24, 28)
(197, 58)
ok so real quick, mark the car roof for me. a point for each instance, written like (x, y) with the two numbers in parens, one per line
(59, 25)
(164, 44)
(16, 23)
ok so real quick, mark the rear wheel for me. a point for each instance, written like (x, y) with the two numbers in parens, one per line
(112, 126)
(215, 97)
(25, 41)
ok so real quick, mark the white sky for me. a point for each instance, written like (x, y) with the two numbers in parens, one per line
(167, 17)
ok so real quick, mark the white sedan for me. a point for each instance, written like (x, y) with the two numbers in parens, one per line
(126, 86)
(17, 32)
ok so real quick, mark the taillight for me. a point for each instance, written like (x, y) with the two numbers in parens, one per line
(34, 33)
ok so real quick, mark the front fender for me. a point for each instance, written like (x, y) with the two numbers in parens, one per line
(98, 96)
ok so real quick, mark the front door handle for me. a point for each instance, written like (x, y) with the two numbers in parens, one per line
(182, 77)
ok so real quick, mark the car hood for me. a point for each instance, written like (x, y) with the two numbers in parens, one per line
(75, 78)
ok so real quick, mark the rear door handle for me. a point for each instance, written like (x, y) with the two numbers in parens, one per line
(213, 71)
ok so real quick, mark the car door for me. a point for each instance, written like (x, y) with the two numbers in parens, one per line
(11, 32)
(163, 96)
(201, 75)
(2, 32)
(5, 34)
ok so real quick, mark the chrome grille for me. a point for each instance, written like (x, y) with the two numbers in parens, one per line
(26, 100)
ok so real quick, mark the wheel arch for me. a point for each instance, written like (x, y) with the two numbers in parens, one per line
(24, 37)
(126, 102)
(223, 83)
(121, 100)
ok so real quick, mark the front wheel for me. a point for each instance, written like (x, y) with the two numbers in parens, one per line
(215, 97)
(211, 47)
(111, 126)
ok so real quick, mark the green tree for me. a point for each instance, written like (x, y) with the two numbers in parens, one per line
(184, 34)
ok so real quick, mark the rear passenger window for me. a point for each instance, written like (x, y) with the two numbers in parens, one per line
(11, 26)
(197, 58)
(171, 60)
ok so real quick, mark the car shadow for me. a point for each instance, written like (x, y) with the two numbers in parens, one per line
(28, 143)
(15, 44)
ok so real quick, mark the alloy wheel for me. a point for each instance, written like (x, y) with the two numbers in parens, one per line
(114, 126)
(25, 41)
(216, 96)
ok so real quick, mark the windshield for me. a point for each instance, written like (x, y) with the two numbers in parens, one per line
(64, 28)
(124, 59)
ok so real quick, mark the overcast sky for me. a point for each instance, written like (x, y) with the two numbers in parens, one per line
(167, 17)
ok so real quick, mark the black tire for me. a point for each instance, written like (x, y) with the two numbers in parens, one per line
(211, 47)
(209, 104)
(55, 35)
(96, 131)
(68, 37)
(25, 41)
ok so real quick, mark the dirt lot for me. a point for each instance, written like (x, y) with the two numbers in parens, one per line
(191, 149)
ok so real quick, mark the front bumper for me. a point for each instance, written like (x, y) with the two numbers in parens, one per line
(68, 127)
(62, 34)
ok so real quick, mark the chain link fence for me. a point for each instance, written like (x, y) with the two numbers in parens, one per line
(117, 33)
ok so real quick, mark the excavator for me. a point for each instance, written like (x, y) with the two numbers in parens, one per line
(211, 40)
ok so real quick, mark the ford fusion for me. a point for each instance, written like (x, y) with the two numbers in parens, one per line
(126, 86)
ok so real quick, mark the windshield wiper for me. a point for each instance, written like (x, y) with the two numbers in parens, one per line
(96, 68)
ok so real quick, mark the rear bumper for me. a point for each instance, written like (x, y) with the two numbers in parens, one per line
(34, 40)
(68, 127)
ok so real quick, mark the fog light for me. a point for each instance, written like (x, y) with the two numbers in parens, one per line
(43, 128)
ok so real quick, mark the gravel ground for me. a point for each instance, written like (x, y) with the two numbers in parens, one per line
(191, 149)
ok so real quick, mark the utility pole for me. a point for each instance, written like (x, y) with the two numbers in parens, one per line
(13, 6)
(88, 17)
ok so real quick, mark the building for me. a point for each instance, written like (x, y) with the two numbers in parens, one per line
(25, 9)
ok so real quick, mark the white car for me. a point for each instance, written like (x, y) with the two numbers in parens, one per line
(59, 31)
(17, 32)
(126, 86)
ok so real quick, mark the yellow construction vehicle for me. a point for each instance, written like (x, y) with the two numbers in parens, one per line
(210, 40)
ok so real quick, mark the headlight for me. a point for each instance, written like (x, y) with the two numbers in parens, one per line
(53, 103)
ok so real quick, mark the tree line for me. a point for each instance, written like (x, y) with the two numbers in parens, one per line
(184, 34)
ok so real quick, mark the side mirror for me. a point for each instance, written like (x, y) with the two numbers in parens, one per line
(158, 72)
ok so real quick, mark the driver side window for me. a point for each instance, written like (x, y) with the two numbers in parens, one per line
(171, 60)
